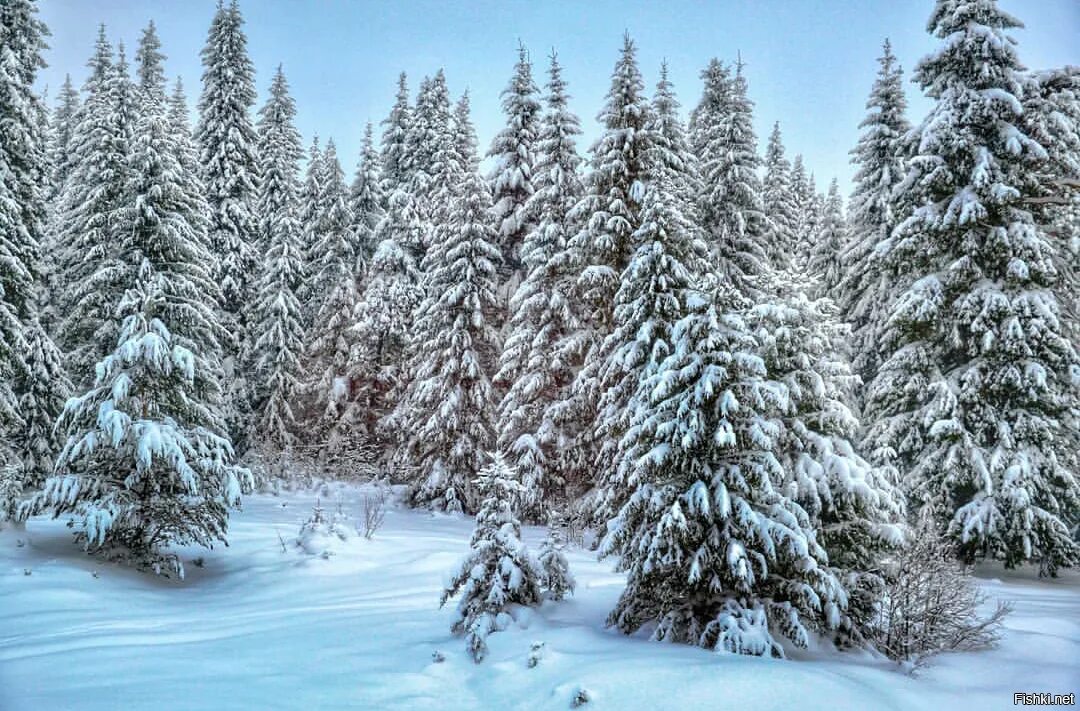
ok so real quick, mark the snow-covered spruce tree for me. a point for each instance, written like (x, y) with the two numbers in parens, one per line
(855, 508)
(64, 116)
(512, 176)
(227, 157)
(430, 180)
(825, 249)
(779, 201)
(381, 330)
(155, 469)
(334, 266)
(24, 179)
(500, 571)
(446, 413)
(609, 213)
(716, 553)
(465, 132)
(93, 196)
(278, 337)
(45, 389)
(805, 196)
(672, 146)
(332, 253)
(395, 161)
(537, 362)
(367, 202)
(976, 399)
(730, 205)
(867, 288)
(558, 580)
(150, 72)
(656, 290)
(310, 222)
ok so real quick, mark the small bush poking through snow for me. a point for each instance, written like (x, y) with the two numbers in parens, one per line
(581, 698)
(931, 603)
(536, 653)
(322, 532)
(373, 510)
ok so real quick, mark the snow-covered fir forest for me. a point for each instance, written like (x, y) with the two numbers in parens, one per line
(660, 387)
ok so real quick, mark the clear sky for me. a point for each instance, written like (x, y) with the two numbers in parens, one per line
(810, 63)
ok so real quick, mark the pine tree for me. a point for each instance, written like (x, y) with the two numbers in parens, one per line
(716, 553)
(395, 159)
(24, 180)
(277, 347)
(779, 201)
(805, 196)
(976, 401)
(431, 180)
(367, 202)
(514, 153)
(500, 571)
(45, 390)
(446, 412)
(656, 290)
(730, 205)
(855, 508)
(332, 252)
(558, 580)
(62, 128)
(672, 145)
(93, 198)
(867, 288)
(610, 213)
(311, 222)
(826, 250)
(157, 469)
(151, 73)
(537, 362)
(227, 140)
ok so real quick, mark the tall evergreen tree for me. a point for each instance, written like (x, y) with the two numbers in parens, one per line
(151, 73)
(610, 213)
(514, 153)
(825, 253)
(534, 366)
(157, 470)
(92, 201)
(277, 348)
(778, 195)
(730, 204)
(446, 412)
(976, 401)
(367, 201)
(867, 288)
(332, 252)
(44, 391)
(64, 116)
(396, 129)
(227, 157)
(24, 179)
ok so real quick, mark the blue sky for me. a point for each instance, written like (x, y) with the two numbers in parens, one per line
(810, 63)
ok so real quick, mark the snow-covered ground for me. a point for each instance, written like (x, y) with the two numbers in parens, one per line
(256, 628)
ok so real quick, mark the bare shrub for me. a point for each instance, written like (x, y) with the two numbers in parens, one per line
(931, 602)
(373, 511)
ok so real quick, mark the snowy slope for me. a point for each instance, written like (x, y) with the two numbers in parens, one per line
(256, 628)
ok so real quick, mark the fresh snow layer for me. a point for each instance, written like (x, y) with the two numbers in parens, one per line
(258, 628)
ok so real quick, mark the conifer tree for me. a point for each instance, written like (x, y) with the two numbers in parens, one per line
(227, 157)
(976, 400)
(311, 223)
(332, 251)
(62, 127)
(536, 365)
(779, 201)
(94, 195)
(158, 469)
(867, 287)
(717, 554)
(367, 202)
(729, 203)
(805, 195)
(45, 390)
(500, 571)
(825, 252)
(512, 176)
(151, 73)
(23, 183)
(395, 159)
(446, 411)
(430, 180)
(672, 144)
(609, 213)
(280, 338)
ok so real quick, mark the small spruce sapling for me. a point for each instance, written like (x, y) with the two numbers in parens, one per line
(500, 571)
